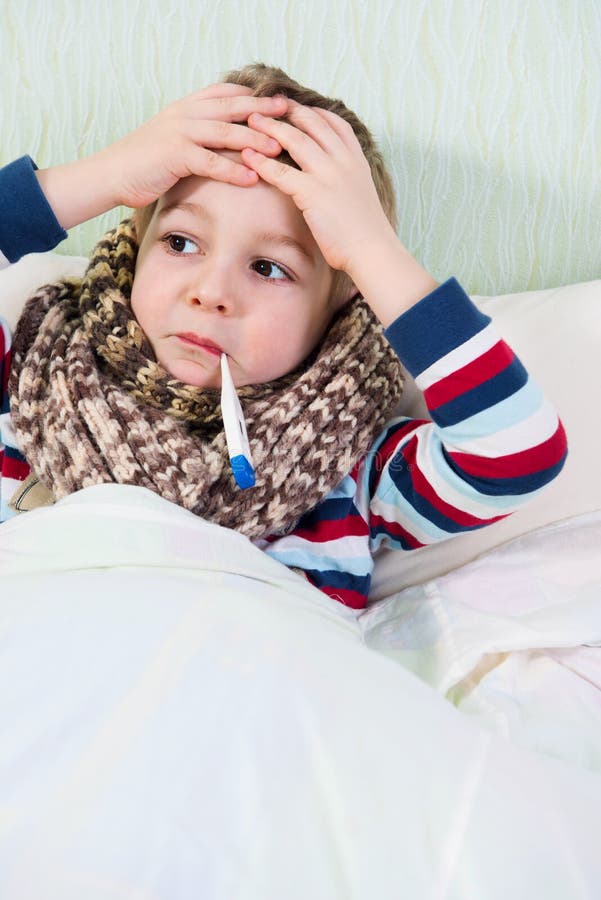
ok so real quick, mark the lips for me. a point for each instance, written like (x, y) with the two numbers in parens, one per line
(201, 342)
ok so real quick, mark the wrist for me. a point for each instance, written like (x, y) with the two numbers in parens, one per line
(79, 190)
(390, 278)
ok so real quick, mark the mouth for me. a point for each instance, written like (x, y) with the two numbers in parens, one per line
(201, 343)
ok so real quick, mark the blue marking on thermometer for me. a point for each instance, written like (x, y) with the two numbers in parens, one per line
(238, 448)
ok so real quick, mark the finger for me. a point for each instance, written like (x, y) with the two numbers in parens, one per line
(343, 129)
(301, 147)
(228, 136)
(320, 128)
(286, 178)
(237, 108)
(220, 89)
(209, 164)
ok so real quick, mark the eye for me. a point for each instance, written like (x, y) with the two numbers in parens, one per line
(270, 270)
(180, 245)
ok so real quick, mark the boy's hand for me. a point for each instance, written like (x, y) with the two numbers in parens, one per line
(179, 141)
(334, 189)
(336, 194)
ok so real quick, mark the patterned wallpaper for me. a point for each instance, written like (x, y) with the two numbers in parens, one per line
(488, 111)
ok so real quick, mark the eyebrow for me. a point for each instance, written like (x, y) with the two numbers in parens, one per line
(268, 237)
(286, 240)
(186, 206)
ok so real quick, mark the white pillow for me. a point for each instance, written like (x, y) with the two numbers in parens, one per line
(19, 281)
(557, 335)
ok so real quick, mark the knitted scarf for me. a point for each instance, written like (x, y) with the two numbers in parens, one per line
(90, 405)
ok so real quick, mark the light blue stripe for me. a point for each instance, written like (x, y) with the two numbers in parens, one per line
(509, 412)
(347, 488)
(5, 512)
(407, 515)
(501, 503)
(301, 559)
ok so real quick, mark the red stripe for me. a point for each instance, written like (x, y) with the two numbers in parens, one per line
(525, 462)
(14, 468)
(390, 446)
(353, 599)
(474, 373)
(395, 530)
(332, 529)
(422, 487)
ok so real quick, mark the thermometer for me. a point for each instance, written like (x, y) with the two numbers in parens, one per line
(238, 447)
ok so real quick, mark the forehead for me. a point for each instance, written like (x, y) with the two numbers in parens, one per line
(259, 202)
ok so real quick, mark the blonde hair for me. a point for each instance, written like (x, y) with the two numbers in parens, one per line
(266, 81)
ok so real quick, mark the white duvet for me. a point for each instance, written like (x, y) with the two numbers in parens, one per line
(181, 718)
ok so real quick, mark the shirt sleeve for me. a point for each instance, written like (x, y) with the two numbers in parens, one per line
(27, 222)
(493, 441)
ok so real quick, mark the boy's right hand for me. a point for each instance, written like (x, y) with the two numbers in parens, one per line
(180, 140)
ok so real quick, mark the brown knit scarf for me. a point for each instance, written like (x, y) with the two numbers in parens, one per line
(90, 405)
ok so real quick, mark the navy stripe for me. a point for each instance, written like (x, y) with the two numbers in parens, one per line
(402, 481)
(337, 579)
(332, 509)
(13, 453)
(397, 540)
(482, 396)
(434, 326)
(520, 484)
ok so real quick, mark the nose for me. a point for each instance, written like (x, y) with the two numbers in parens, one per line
(212, 289)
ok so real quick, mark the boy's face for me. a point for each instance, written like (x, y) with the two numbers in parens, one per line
(233, 269)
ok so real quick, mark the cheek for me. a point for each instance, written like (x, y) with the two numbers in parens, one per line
(144, 300)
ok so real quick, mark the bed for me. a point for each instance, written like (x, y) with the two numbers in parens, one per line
(182, 723)
(182, 718)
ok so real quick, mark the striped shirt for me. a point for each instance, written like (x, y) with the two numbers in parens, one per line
(492, 441)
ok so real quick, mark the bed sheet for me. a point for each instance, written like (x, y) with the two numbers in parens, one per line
(513, 638)
(181, 716)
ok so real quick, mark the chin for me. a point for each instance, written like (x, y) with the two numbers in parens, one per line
(194, 374)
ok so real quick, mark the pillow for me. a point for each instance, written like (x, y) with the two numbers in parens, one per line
(557, 335)
(19, 281)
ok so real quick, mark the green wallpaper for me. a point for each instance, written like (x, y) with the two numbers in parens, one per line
(489, 112)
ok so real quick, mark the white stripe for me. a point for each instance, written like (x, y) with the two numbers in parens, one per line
(6, 329)
(4, 263)
(459, 357)
(531, 431)
(402, 513)
(452, 489)
(517, 407)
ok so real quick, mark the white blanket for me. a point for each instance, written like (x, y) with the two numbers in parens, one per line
(183, 718)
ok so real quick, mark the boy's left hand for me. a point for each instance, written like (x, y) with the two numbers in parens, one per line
(333, 189)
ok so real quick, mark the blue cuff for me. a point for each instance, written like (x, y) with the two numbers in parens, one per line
(27, 222)
(434, 326)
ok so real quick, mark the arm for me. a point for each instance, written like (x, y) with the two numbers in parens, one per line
(38, 207)
(494, 440)
(27, 222)
(335, 192)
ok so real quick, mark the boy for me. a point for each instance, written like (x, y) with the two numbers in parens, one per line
(272, 242)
